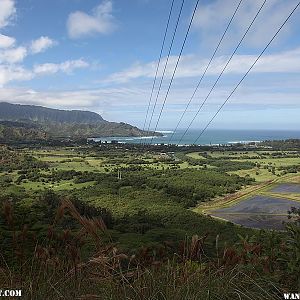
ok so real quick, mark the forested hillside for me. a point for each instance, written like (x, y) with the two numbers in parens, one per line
(62, 123)
(39, 114)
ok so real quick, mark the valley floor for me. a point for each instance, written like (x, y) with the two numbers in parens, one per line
(150, 206)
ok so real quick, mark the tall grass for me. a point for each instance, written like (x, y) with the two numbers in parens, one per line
(58, 266)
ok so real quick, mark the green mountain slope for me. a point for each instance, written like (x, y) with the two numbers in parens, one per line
(64, 123)
(17, 131)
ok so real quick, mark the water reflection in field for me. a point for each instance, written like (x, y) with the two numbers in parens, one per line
(286, 188)
(258, 212)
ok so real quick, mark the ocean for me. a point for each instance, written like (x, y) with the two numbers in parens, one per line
(210, 137)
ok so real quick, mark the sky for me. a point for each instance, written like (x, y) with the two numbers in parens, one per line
(101, 55)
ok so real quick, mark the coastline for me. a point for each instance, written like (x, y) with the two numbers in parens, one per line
(211, 138)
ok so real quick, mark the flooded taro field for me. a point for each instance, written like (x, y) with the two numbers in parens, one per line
(261, 211)
(255, 220)
(286, 188)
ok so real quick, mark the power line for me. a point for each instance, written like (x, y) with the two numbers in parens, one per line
(158, 64)
(166, 64)
(176, 66)
(204, 73)
(246, 74)
(223, 70)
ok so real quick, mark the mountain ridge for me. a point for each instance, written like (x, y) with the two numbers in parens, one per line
(39, 113)
(66, 123)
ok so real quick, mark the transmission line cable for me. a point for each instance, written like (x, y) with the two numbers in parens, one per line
(223, 70)
(165, 66)
(249, 70)
(176, 66)
(158, 64)
(205, 71)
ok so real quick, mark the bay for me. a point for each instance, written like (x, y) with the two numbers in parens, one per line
(212, 136)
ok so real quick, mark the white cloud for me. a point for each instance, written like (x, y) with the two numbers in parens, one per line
(48, 68)
(66, 67)
(41, 44)
(14, 55)
(6, 41)
(213, 16)
(112, 102)
(7, 12)
(81, 24)
(58, 99)
(193, 66)
(13, 73)
(70, 65)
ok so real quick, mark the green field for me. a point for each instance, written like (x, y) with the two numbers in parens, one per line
(196, 155)
(67, 159)
(268, 166)
(58, 186)
(260, 175)
(278, 162)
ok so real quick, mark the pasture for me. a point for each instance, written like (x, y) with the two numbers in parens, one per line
(268, 165)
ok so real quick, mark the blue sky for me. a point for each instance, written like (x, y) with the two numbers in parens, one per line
(101, 56)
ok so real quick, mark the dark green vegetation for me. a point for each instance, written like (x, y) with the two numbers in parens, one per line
(148, 204)
(26, 120)
(117, 222)
(290, 144)
(20, 132)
